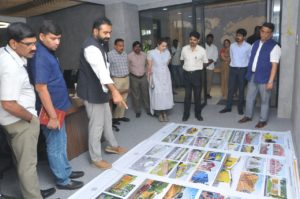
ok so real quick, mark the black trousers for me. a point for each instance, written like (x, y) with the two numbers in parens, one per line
(192, 82)
(236, 80)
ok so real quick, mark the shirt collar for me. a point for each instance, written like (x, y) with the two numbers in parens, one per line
(20, 60)
(41, 45)
(196, 48)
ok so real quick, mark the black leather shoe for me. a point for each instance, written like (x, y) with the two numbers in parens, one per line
(225, 110)
(150, 114)
(185, 118)
(240, 111)
(48, 192)
(137, 115)
(124, 119)
(6, 197)
(115, 121)
(199, 117)
(76, 174)
(208, 96)
(71, 186)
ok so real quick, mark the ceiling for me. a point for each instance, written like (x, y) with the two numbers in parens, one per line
(28, 8)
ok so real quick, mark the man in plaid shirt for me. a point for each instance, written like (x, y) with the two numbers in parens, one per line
(119, 72)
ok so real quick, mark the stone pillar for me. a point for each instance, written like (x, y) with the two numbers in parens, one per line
(287, 63)
(125, 20)
(296, 96)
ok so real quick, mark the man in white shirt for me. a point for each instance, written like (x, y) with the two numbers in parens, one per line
(194, 57)
(94, 82)
(17, 110)
(262, 69)
(212, 56)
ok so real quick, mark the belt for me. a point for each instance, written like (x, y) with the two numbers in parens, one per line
(239, 68)
(120, 77)
(139, 77)
(191, 72)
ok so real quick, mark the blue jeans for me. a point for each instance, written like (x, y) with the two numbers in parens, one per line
(236, 80)
(56, 140)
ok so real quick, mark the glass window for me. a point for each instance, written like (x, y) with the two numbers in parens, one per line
(172, 22)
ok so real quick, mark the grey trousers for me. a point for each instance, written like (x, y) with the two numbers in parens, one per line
(139, 92)
(253, 89)
(23, 137)
(100, 121)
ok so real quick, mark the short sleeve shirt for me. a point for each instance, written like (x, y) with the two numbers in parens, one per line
(14, 84)
(45, 69)
(137, 63)
(118, 63)
(193, 59)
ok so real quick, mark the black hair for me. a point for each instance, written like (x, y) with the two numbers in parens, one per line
(175, 41)
(195, 34)
(241, 31)
(136, 43)
(49, 26)
(227, 41)
(19, 31)
(269, 25)
(101, 21)
(210, 35)
(118, 40)
(161, 40)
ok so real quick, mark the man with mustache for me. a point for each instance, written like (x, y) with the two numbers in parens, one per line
(53, 94)
(194, 58)
(261, 74)
(94, 83)
(17, 109)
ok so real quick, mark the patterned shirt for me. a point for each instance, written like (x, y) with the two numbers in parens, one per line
(118, 63)
(137, 63)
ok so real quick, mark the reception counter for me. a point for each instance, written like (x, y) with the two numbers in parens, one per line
(77, 129)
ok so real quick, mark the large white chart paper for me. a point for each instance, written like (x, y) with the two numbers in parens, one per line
(189, 161)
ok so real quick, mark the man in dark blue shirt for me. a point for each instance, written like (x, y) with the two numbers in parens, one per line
(49, 83)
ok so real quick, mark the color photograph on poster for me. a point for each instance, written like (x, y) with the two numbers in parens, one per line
(151, 189)
(251, 183)
(164, 167)
(181, 192)
(145, 164)
(275, 187)
(123, 186)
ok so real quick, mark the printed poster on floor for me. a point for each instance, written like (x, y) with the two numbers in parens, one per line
(189, 161)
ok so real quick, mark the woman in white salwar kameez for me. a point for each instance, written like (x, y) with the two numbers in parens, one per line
(160, 85)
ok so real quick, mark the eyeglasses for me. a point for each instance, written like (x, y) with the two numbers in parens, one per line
(29, 44)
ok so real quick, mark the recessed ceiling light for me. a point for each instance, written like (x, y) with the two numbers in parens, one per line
(179, 13)
(165, 9)
(3, 24)
(190, 16)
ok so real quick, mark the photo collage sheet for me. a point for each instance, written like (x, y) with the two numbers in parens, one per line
(186, 162)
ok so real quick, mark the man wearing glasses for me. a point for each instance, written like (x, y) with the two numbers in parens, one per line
(17, 109)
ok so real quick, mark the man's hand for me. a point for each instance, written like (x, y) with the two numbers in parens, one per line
(269, 85)
(118, 99)
(53, 123)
